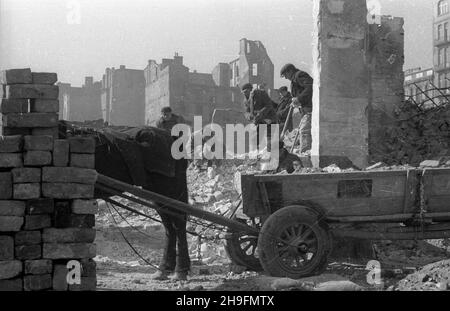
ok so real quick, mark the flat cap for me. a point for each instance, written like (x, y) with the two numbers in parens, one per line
(247, 86)
(283, 89)
(286, 68)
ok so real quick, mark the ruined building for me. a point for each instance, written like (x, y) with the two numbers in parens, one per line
(441, 43)
(419, 84)
(80, 103)
(190, 94)
(123, 96)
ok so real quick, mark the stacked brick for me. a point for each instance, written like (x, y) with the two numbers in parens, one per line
(46, 191)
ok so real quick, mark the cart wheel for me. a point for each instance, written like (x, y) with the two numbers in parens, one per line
(241, 249)
(294, 243)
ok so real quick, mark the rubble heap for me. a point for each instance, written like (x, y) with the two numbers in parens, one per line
(421, 134)
(46, 190)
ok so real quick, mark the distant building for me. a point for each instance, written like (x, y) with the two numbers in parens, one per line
(190, 94)
(80, 103)
(419, 84)
(441, 44)
(123, 96)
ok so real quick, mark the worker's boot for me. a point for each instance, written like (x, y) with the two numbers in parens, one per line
(180, 276)
(160, 275)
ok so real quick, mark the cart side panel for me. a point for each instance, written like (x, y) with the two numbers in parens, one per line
(437, 190)
(253, 197)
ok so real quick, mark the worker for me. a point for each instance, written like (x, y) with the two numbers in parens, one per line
(283, 109)
(168, 119)
(302, 92)
(259, 109)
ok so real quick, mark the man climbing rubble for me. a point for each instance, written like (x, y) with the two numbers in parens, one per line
(302, 92)
(283, 109)
(168, 119)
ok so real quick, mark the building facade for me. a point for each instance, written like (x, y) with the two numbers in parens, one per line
(441, 44)
(419, 84)
(80, 103)
(123, 96)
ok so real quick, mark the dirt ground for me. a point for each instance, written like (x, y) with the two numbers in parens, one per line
(120, 269)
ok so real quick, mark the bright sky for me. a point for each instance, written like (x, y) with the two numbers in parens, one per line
(49, 35)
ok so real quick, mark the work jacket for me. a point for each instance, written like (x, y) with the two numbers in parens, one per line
(260, 107)
(283, 112)
(169, 124)
(302, 89)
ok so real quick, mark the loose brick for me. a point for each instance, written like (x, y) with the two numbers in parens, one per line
(44, 78)
(60, 278)
(26, 175)
(82, 145)
(69, 175)
(10, 223)
(69, 235)
(31, 91)
(27, 191)
(85, 207)
(37, 282)
(10, 269)
(61, 153)
(11, 144)
(41, 266)
(68, 250)
(20, 105)
(35, 222)
(12, 208)
(38, 158)
(13, 131)
(6, 247)
(10, 160)
(5, 185)
(40, 206)
(43, 143)
(14, 285)
(35, 119)
(27, 238)
(67, 191)
(86, 284)
(44, 105)
(82, 160)
(16, 76)
(46, 131)
(28, 252)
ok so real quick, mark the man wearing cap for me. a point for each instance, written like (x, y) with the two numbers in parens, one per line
(283, 109)
(302, 92)
(168, 119)
(259, 108)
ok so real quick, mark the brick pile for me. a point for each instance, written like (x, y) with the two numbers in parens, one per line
(47, 206)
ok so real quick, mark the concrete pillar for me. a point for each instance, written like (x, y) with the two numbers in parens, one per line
(340, 127)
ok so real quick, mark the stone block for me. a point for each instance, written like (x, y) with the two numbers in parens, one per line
(40, 206)
(37, 282)
(14, 105)
(61, 153)
(85, 207)
(69, 175)
(26, 175)
(83, 160)
(60, 278)
(10, 223)
(88, 267)
(86, 284)
(67, 191)
(12, 131)
(38, 158)
(68, 250)
(430, 163)
(35, 222)
(44, 78)
(68, 235)
(12, 208)
(9, 160)
(14, 285)
(5, 185)
(6, 247)
(43, 143)
(28, 252)
(27, 238)
(35, 119)
(82, 145)
(27, 191)
(61, 217)
(10, 269)
(41, 266)
(31, 91)
(11, 144)
(16, 76)
(46, 131)
(44, 105)
(82, 221)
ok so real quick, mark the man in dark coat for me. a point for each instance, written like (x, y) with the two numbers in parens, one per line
(168, 119)
(302, 92)
(283, 109)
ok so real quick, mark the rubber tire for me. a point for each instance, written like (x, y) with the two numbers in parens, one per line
(274, 226)
(233, 250)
